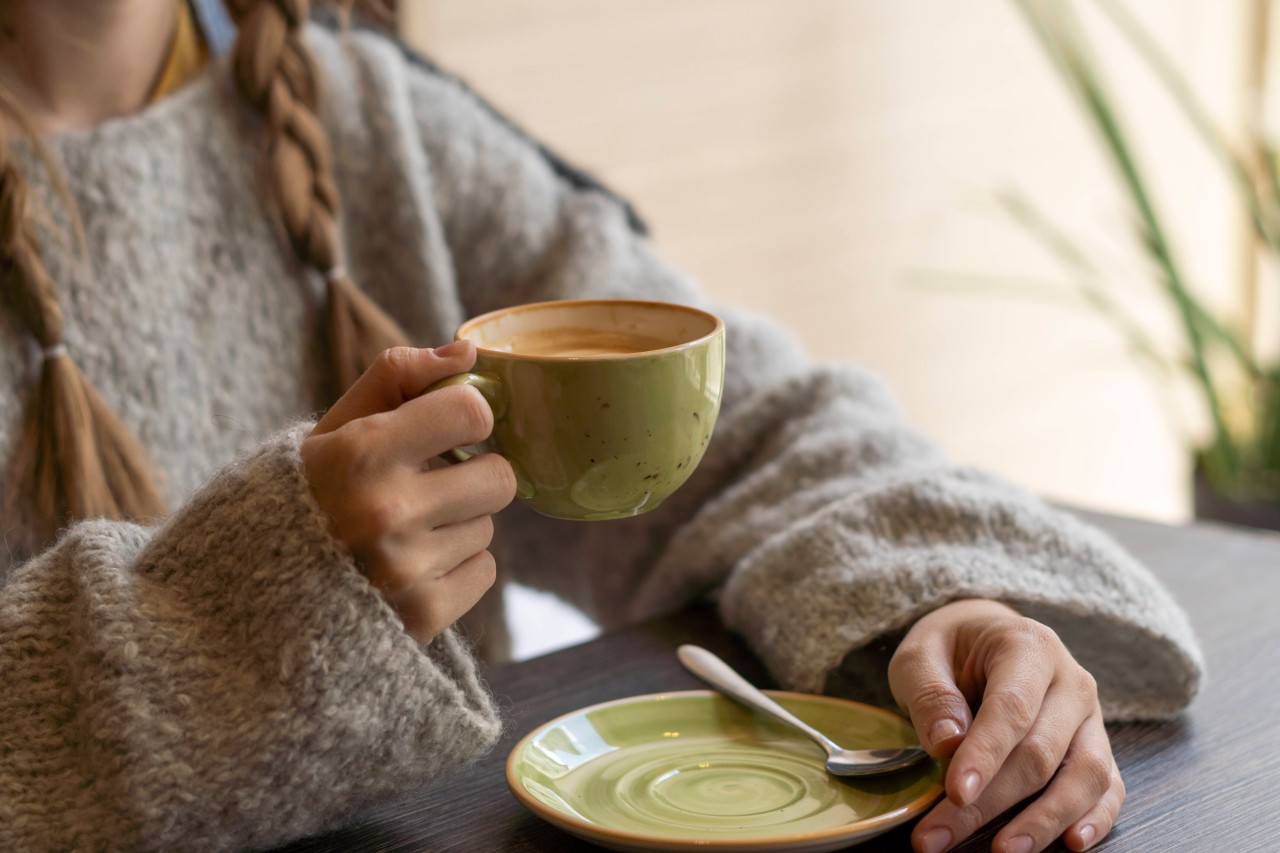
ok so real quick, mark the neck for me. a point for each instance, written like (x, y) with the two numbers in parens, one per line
(77, 63)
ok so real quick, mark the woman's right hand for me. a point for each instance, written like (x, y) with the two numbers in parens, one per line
(420, 534)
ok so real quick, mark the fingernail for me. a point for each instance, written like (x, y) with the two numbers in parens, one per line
(1086, 833)
(943, 730)
(968, 787)
(451, 349)
(935, 840)
(1019, 844)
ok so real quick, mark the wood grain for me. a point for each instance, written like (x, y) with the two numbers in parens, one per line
(1202, 783)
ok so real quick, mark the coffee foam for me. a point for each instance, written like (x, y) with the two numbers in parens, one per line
(576, 343)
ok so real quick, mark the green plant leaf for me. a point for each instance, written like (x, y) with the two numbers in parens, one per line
(1263, 213)
(1063, 38)
(1085, 277)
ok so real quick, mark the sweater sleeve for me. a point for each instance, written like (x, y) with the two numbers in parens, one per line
(819, 519)
(226, 680)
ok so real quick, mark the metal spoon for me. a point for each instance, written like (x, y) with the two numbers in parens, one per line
(840, 761)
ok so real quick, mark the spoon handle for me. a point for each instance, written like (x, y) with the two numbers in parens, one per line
(722, 677)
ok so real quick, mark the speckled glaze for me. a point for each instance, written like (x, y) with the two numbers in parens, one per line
(695, 771)
(604, 436)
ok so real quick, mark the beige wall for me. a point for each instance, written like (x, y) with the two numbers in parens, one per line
(823, 160)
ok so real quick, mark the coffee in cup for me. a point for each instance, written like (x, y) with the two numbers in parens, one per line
(603, 407)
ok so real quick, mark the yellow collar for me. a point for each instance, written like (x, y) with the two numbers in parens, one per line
(188, 55)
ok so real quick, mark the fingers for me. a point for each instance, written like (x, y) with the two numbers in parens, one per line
(408, 563)
(1037, 731)
(420, 535)
(434, 606)
(396, 376)
(375, 514)
(430, 424)
(1094, 826)
(923, 684)
(923, 676)
(1017, 681)
(1083, 792)
(1087, 784)
(482, 485)
(433, 578)
(368, 449)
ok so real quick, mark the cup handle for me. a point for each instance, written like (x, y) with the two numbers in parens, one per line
(492, 391)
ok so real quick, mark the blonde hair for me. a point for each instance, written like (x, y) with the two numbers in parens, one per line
(73, 458)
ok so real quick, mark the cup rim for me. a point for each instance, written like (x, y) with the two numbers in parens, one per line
(717, 328)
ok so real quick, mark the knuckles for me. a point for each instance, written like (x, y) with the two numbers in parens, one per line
(1087, 685)
(383, 513)
(395, 363)
(353, 450)
(1036, 636)
(1095, 771)
(932, 699)
(1040, 758)
(431, 614)
(908, 658)
(1014, 706)
(1117, 783)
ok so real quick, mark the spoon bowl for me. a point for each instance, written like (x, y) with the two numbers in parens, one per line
(840, 761)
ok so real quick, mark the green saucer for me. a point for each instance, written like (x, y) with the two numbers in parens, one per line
(696, 771)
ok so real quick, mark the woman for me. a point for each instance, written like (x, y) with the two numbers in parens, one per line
(225, 625)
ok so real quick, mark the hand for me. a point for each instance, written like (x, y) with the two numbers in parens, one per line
(1038, 726)
(419, 534)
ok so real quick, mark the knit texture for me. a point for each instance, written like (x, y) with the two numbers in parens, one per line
(229, 679)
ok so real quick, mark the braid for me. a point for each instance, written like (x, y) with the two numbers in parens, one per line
(72, 458)
(277, 77)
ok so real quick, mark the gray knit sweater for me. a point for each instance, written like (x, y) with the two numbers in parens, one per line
(229, 679)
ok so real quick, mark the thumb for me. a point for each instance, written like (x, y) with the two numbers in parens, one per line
(924, 685)
(396, 376)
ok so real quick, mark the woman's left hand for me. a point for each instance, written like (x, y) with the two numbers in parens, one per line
(1003, 697)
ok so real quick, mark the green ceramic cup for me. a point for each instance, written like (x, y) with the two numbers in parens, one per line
(602, 407)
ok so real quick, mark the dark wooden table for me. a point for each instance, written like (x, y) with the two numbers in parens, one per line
(1206, 782)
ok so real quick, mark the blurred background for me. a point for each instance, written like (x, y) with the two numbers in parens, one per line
(837, 164)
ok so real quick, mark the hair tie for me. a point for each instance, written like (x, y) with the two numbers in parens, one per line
(55, 351)
(335, 272)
